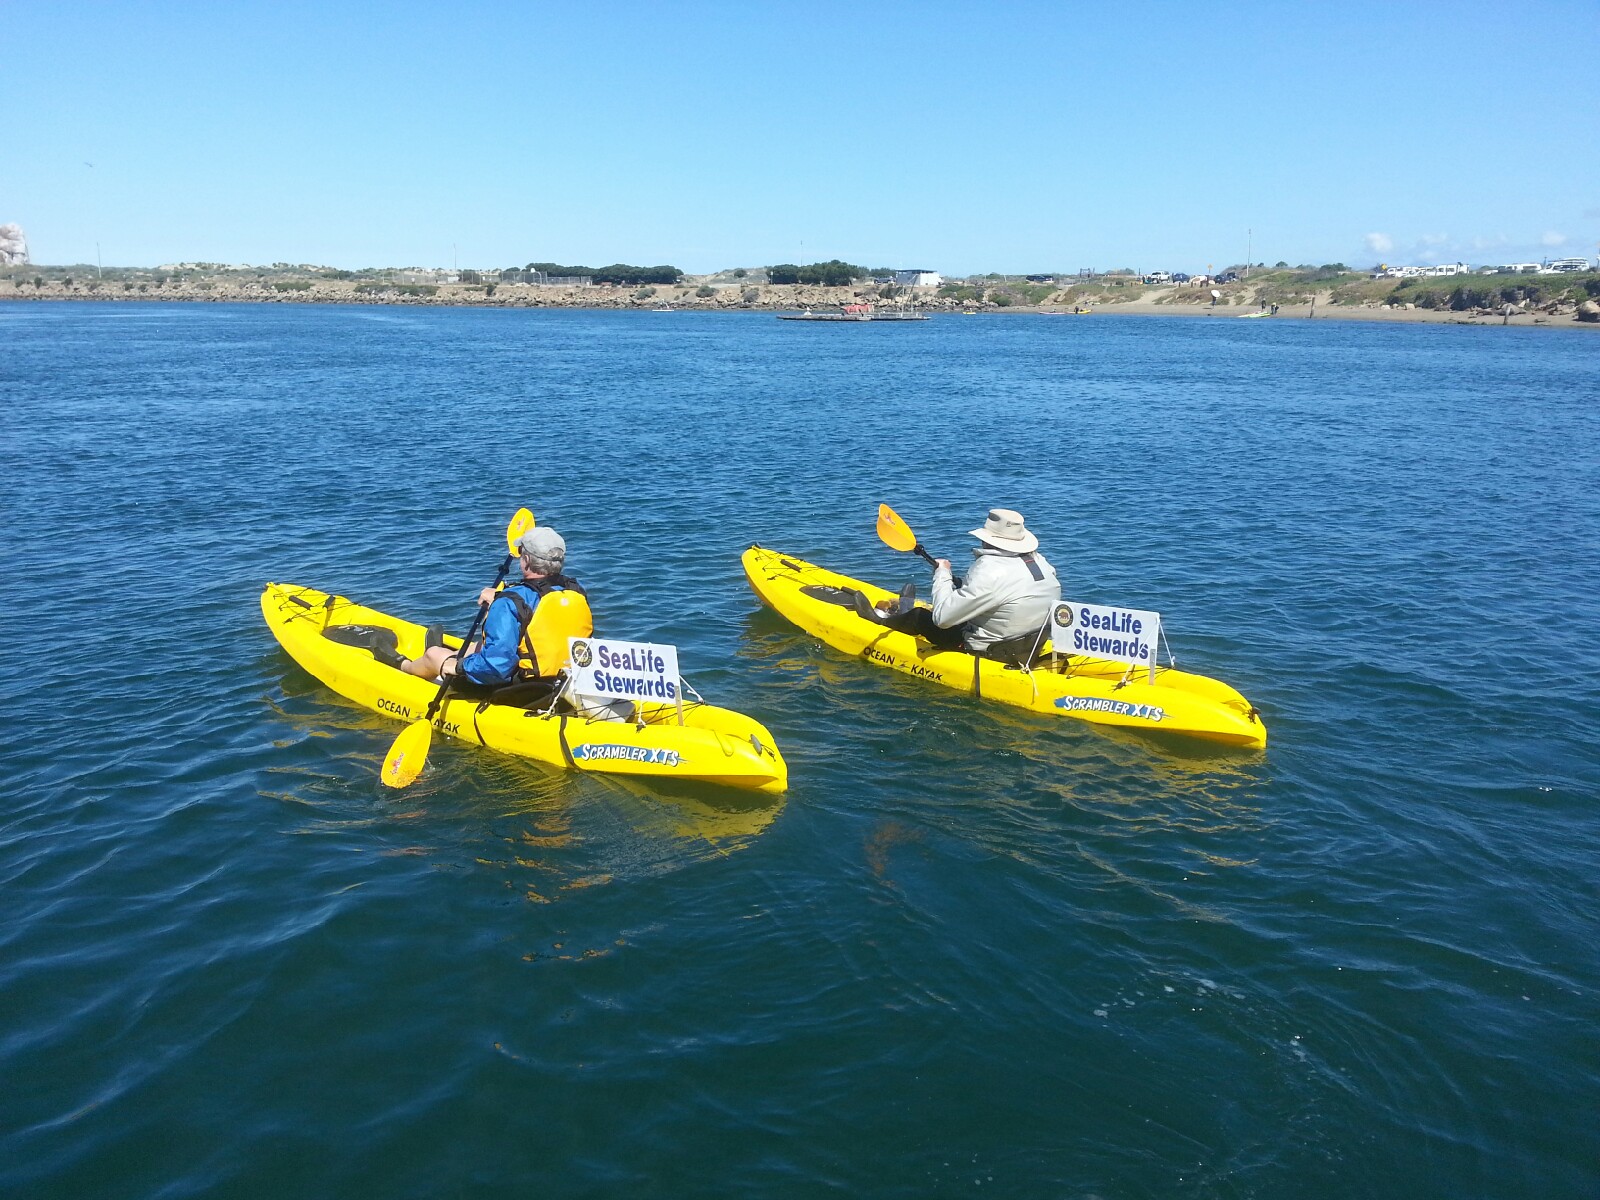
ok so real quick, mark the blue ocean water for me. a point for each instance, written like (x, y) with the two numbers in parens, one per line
(973, 951)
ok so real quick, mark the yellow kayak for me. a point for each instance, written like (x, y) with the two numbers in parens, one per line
(712, 745)
(1097, 690)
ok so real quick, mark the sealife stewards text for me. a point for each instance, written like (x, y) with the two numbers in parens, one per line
(624, 670)
(1104, 631)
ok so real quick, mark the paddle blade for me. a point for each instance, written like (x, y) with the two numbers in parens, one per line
(894, 532)
(520, 524)
(405, 759)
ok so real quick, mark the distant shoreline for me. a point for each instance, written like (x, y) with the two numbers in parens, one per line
(1338, 312)
(768, 299)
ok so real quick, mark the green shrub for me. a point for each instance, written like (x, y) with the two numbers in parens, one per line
(294, 286)
(705, 290)
(832, 273)
(1032, 293)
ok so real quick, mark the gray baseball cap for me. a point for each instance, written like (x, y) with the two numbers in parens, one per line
(543, 545)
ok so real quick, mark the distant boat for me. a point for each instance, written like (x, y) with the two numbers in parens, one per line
(663, 310)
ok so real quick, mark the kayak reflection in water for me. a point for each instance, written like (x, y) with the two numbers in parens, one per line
(523, 636)
(1004, 600)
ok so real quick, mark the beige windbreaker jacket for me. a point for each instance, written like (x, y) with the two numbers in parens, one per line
(998, 599)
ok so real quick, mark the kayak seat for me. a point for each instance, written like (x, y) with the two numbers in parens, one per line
(1020, 652)
(525, 693)
(537, 695)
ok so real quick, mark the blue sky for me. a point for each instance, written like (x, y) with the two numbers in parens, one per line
(960, 137)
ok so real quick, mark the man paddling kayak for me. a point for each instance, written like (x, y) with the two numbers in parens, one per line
(525, 632)
(1005, 598)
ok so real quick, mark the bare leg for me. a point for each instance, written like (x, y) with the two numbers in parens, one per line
(432, 660)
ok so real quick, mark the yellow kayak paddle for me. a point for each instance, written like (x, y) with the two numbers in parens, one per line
(897, 535)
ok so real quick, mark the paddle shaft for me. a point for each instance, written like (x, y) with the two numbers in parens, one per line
(483, 611)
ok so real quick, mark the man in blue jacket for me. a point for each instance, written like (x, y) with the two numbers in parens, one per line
(493, 661)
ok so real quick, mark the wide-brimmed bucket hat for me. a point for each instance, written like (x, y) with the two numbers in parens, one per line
(1004, 530)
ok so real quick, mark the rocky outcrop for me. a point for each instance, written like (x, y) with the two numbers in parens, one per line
(687, 295)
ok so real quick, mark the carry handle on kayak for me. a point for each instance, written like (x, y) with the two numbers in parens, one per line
(409, 751)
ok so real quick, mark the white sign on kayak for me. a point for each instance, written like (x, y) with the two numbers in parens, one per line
(604, 668)
(1127, 635)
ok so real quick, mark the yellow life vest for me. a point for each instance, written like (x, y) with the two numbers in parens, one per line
(560, 614)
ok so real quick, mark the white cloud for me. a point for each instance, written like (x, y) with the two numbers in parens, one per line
(1379, 243)
(1552, 239)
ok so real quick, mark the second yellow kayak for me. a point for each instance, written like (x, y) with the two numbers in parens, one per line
(1095, 690)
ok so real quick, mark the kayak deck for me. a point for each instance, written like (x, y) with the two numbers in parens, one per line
(1096, 690)
(713, 745)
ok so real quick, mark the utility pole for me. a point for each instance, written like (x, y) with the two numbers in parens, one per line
(98, 269)
(1249, 250)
